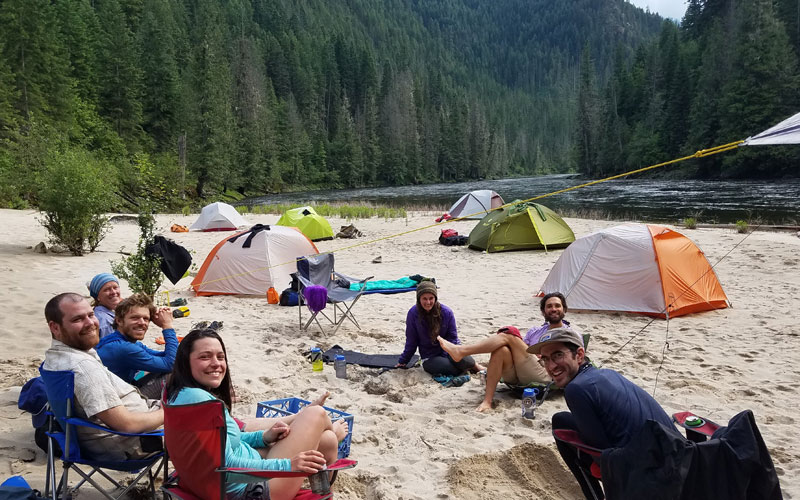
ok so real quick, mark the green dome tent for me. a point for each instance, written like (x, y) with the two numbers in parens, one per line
(314, 226)
(522, 226)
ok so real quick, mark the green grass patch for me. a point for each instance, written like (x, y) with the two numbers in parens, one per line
(742, 227)
(326, 210)
(690, 223)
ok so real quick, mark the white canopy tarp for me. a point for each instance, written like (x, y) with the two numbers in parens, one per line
(786, 132)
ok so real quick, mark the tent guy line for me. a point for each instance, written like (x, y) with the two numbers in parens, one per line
(698, 154)
(611, 356)
(785, 132)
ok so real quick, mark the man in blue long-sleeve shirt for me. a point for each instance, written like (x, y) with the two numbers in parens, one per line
(123, 353)
(606, 409)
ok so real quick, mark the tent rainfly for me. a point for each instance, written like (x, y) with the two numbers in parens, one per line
(306, 219)
(218, 217)
(475, 204)
(637, 268)
(523, 226)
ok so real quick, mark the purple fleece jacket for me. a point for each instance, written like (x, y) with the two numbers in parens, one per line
(417, 335)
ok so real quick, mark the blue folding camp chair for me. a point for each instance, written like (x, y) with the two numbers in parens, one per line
(63, 441)
(318, 270)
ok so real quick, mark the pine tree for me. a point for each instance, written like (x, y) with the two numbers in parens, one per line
(120, 77)
(588, 121)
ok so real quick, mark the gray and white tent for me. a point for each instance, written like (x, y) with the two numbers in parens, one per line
(475, 204)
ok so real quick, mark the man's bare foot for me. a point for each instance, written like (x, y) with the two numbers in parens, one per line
(477, 368)
(484, 407)
(340, 428)
(452, 349)
(320, 401)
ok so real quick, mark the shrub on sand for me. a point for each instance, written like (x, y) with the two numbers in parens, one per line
(141, 271)
(74, 195)
(690, 223)
(742, 226)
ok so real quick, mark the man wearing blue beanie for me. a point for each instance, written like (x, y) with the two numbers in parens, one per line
(104, 289)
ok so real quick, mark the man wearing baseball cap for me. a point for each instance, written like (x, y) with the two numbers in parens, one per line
(509, 360)
(606, 409)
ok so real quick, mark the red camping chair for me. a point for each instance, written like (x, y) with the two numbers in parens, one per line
(571, 438)
(195, 438)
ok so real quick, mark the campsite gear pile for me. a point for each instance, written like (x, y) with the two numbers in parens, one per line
(450, 237)
(177, 228)
(641, 268)
(349, 232)
(251, 262)
(218, 217)
(311, 224)
(522, 226)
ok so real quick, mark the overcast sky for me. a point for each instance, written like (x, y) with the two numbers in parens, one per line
(666, 8)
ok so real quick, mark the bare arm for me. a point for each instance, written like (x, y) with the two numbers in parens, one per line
(121, 419)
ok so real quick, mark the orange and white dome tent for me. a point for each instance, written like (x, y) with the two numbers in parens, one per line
(250, 262)
(640, 268)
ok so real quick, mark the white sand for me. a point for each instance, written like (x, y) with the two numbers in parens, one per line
(413, 438)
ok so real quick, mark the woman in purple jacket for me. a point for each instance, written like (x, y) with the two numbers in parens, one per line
(425, 322)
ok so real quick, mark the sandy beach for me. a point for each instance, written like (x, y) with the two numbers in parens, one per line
(413, 438)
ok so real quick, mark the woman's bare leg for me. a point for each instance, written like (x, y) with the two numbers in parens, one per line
(306, 433)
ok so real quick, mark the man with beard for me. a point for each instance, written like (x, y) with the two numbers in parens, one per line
(606, 409)
(99, 395)
(509, 357)
(124, 354)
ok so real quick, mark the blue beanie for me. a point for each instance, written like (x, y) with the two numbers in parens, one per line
(98, 281)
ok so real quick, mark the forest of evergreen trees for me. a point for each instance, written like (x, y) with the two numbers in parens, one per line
(200, 96)
(728, 72)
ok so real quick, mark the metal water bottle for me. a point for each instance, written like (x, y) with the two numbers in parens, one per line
(316, 359)
(340, 365)
(529, 403)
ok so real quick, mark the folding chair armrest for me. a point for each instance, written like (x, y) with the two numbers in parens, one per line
(352, 279)
(86, 423)
(571, 437)
(697, 428)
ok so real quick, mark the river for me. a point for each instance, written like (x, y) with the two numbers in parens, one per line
(651, 200)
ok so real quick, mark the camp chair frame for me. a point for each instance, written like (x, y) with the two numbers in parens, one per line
(195, 436)
(318, 270)
(59, 386)
(571, 438)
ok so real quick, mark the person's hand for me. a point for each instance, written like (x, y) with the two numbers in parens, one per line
(162, 318)
(400, 365)
(277, 432)
(310, 461)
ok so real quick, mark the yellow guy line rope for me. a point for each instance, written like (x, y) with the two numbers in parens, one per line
(698, 154)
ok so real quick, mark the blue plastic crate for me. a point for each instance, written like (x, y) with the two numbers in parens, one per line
(290, 406)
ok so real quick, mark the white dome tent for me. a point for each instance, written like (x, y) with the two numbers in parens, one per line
(250, 262)
(218, 217)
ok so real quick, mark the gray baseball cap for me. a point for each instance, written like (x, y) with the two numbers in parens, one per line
(564, 335)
